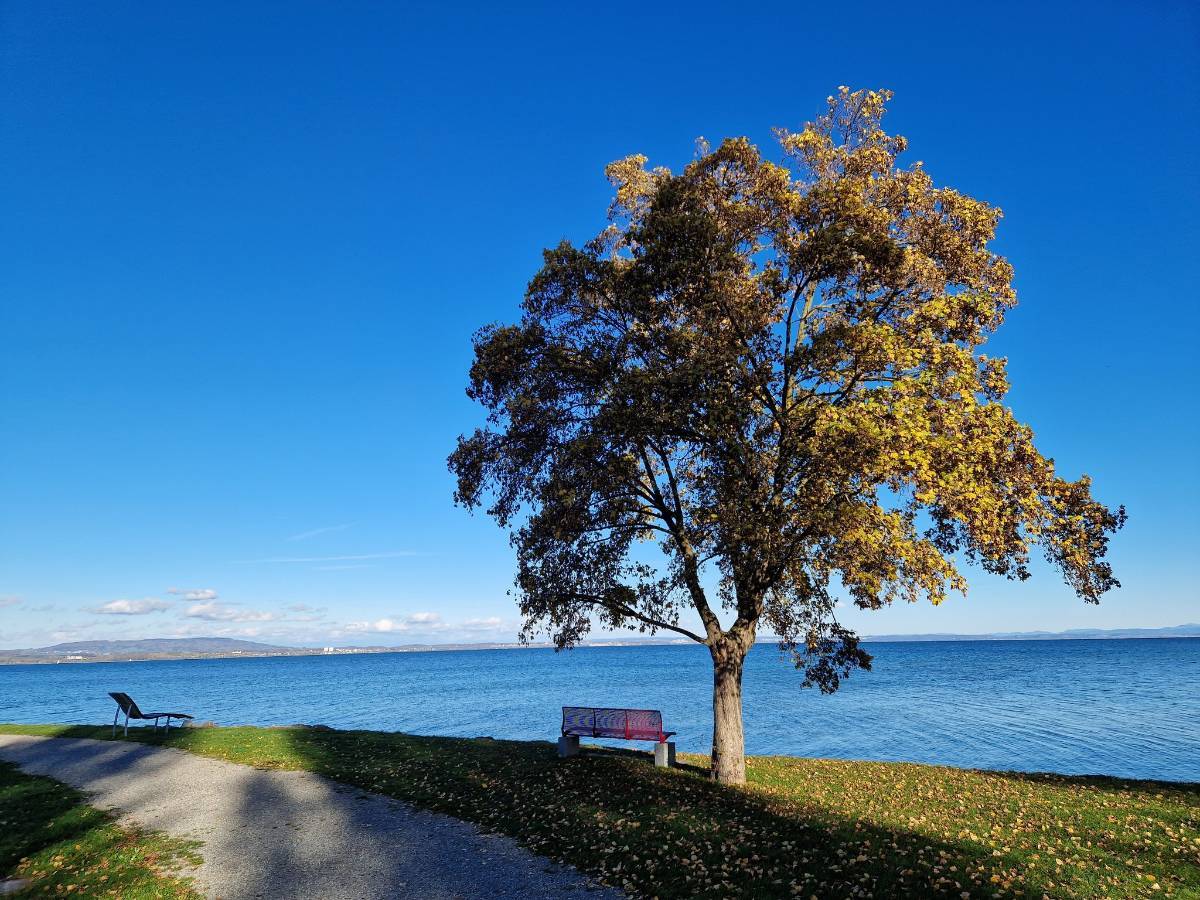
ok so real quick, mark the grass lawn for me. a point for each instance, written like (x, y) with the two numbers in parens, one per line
(51, 838)
(800, 828)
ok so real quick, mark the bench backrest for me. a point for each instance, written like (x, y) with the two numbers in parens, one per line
(127, 705)
(601, 721)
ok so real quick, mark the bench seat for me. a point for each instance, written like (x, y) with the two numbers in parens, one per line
(609, 722)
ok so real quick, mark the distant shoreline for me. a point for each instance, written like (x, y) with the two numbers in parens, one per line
(152, 650)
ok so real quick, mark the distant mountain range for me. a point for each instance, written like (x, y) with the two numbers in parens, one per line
(1074, 634)
(150, 648)
(218, 647)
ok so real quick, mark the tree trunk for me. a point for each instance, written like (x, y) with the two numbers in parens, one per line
(729, 740)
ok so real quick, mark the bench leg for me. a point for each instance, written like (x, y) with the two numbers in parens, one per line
(126, 724)
(664, 754)
(568, 745)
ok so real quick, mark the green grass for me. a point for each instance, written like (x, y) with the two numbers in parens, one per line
(51, 838)
(800, 828)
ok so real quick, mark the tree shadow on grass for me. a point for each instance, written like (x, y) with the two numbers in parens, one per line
(1138, 787)
(36, 816)
(655, 832)
(51, 837)
(641, 757)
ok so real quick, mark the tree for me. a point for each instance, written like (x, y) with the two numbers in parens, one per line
(771, 370)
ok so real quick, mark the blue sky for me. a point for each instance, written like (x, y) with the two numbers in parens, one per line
(245, 247)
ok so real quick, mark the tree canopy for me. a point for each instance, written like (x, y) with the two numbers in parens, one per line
(772, 369)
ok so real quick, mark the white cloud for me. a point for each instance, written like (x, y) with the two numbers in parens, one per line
(131, 607)
(220, 612)
(9, 601)
(194, 593)
(379, 625)
(429, 623)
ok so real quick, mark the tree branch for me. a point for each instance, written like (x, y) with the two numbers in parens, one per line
(691, 566)
(641, 617)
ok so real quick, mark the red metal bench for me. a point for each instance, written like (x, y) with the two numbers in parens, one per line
(623, 724)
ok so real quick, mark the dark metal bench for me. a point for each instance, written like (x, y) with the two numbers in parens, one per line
(125, 704)
(610, 722)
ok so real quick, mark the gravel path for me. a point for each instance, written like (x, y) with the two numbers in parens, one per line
(295, 834)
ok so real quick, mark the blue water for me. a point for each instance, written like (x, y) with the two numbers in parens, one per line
(1123, 707)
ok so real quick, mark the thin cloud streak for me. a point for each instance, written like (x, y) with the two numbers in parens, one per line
(220, 612)
(305, 535)
(130, 607)
(195, 594)
(321, 559)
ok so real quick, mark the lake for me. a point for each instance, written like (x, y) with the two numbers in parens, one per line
(1117, 707)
